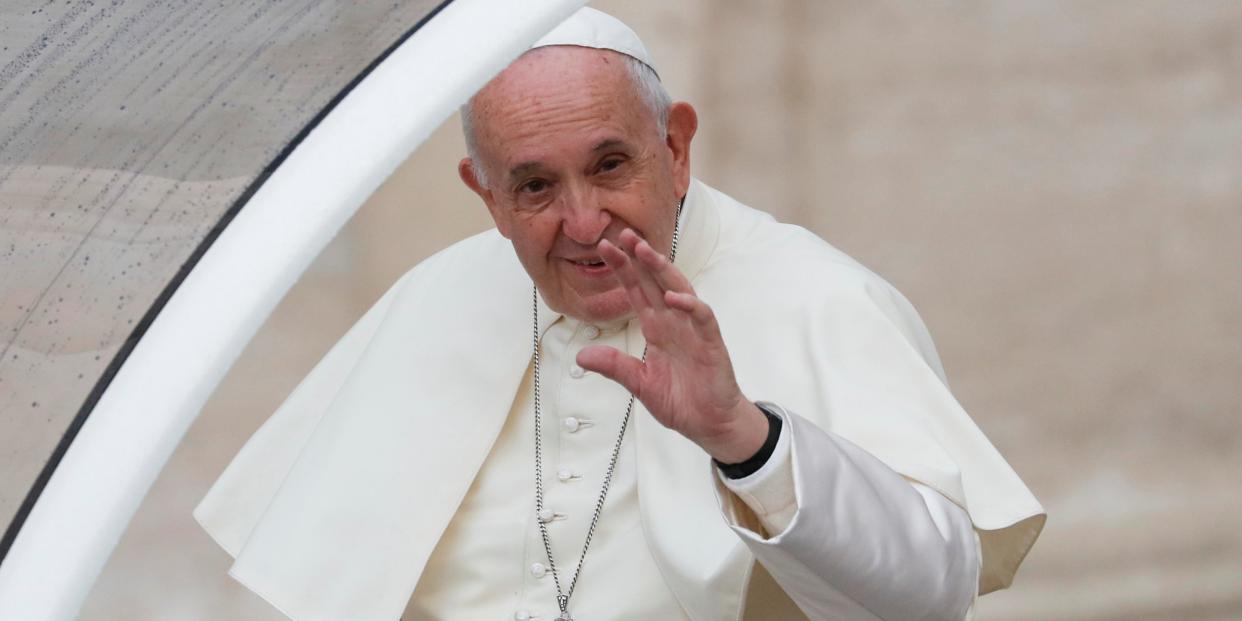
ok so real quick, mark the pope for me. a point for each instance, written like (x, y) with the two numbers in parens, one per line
(634, 398)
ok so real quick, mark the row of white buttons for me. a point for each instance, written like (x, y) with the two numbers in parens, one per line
(572, 425)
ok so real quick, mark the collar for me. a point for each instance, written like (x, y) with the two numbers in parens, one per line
(700, 230)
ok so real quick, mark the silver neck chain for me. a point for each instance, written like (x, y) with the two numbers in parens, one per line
(563, 595)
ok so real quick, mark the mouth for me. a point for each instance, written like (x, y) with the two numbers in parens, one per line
(590, 266)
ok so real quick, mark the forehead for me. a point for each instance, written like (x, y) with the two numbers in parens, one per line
(557, 98)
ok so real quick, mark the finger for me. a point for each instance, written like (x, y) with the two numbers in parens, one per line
(608, 361)
(621, 265)
(701, 315)
(665, 273)
(651, 287)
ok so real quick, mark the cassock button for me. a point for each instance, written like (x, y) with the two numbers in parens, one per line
(573, 424)
(521, 615)
(591, 332)
(576, 372)
(538, 570)
(548, 515)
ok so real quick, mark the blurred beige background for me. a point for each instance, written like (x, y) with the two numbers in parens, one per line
(1057, 186)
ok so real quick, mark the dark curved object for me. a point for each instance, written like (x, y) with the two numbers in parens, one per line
(62, 25)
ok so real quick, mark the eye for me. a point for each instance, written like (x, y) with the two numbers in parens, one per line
(610, 164)
(533, 186)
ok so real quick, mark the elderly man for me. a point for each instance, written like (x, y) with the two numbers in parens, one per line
(544, 421)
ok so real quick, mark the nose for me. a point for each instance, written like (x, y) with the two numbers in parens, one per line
(583, 219)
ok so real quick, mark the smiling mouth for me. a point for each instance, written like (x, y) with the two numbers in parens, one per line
(591, 268)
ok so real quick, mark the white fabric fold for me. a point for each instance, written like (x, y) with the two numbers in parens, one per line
(863, 543)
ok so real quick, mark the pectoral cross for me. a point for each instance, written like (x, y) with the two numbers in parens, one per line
(563, 601)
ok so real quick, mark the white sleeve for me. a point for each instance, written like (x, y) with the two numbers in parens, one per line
(846, 537)
(769, 491)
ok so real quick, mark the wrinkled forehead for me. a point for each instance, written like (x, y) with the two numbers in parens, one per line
(544, 71)
(555, 87)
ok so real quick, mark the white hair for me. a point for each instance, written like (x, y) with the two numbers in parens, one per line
(646, 82)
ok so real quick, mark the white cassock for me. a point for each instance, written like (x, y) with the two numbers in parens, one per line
(374, 479)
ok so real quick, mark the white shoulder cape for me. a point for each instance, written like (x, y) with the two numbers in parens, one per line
(333, 507)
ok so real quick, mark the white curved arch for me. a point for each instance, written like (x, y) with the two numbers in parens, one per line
(164, 383)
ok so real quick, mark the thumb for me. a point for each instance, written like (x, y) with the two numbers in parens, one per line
(614, 365)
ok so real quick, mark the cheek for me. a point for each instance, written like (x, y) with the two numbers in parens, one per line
(533, 236)
(647, 214)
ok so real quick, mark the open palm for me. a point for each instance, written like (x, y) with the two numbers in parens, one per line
(686, 380)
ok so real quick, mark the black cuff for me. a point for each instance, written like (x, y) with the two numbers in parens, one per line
(752, 465)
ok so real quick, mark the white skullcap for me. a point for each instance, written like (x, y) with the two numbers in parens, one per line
(589, 27)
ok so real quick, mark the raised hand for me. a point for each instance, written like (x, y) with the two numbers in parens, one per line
(687, 380)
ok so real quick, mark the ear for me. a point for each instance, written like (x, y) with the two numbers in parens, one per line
(683, 122)
(466, 170)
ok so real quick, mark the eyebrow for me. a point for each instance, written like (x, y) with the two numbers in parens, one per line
(524, 168)
(609, 143)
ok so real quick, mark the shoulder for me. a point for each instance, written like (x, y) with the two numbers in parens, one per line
(472, 262)
(799, 279)
(756, 251)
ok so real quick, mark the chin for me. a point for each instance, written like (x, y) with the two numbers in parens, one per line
(605, 307)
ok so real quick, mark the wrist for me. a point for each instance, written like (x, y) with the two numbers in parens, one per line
(744, 437)
(759, 460)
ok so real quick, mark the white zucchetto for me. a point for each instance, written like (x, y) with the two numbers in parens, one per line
(590, 27)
